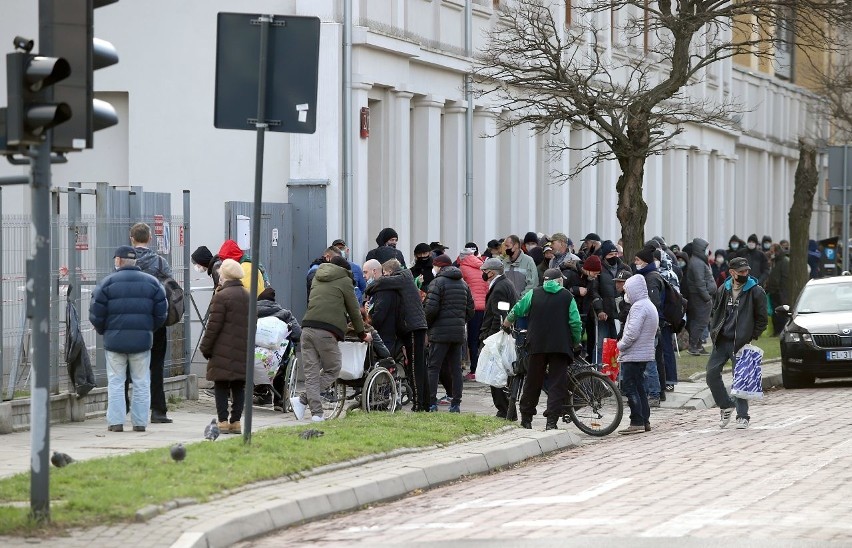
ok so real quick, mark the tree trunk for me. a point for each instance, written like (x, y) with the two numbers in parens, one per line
(632, 210)
(805, 185)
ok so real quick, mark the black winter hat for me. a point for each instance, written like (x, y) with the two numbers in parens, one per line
(531, 237)
(202, 256)
(753, 238)
(385, 235)
(607, 247)
(654, 243)
(473, 246)
(646, 254)
(493, 244)
(592, 236)
(766, 239)
(422, 247)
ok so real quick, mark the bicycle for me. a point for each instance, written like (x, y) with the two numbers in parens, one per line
(594, 402)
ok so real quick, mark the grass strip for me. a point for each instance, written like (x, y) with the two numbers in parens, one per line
(109, 490)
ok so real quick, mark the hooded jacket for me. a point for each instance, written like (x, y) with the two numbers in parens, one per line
(224, 343)
(554, 321)
(448, 306)
(127, 307)
(409, 316)
(741, 247)
(384, 252)
(332, 299)
(469, 266)
(719, 272)
(268, 307)
(757, 261)
(750, 309)
(501, 290)
(637, 340)
(699, 277)
(776, 282)
(230, 250)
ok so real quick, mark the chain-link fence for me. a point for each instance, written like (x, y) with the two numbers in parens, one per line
(82, 247)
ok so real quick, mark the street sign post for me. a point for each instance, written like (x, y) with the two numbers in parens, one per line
(266, 79)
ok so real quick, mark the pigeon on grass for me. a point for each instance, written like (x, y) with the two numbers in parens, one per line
(211, 431)
(311, 433)
(60, 460)
(178, 452)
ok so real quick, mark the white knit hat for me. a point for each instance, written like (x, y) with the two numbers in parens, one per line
(231, 270)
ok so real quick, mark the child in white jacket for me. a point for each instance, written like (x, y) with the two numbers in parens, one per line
(636, 349)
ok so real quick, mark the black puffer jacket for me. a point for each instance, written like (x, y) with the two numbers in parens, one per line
(386, 310)
(606, 286)
(700, 283)
(501, 290)
(412, 316)
(449, 306)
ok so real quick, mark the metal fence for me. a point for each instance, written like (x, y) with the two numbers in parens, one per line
(88, 224)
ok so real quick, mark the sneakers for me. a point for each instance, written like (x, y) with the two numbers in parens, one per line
(653, 402)
(317, 418)
(669, 388)
(138, 428)
(298, 407)
(725, 417)
(116, 428)
(647, 427)
(455, 409)
(742, 423)
(446, 400)
(634, 429)
(470, 377)
(236, 428)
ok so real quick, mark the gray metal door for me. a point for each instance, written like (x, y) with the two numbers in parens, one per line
(308, 201)
(276, 241)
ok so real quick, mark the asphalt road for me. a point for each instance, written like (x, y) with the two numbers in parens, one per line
(785, 481)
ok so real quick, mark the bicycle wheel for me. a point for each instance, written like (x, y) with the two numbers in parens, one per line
(379, 391)
(292, 379)
(332, 407)
(595, 404)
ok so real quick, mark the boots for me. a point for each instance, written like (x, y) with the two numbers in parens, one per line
(236, 428)
(224, 427)
(526, 422)
(551, 423)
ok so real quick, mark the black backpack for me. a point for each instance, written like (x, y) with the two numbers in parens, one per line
(674, 308)
(174, 296)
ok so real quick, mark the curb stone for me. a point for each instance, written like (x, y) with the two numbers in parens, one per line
(396, 478)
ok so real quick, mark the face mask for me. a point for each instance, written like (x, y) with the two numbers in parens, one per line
(626, 298)
(639, 265)
(720, 261)
(741, 278)
(766, 246)
(485, 276)
(422, 260)
(751, 245)
(198, 268)
(681, 264)
(657, 263)
(435, 270)
(612, 261)
(734, 245)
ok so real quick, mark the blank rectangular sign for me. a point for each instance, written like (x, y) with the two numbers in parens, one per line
(293, 68)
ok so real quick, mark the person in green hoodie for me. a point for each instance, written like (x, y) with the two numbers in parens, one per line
(331, 306)
(552, 339)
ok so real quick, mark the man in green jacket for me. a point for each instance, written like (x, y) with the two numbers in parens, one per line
(332, 299)
(552, 339)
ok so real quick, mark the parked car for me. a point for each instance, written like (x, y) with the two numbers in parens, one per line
(817, 340)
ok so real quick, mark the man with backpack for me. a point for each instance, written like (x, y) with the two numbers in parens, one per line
(151, 263)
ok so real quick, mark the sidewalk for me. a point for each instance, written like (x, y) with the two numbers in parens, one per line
(262, 508)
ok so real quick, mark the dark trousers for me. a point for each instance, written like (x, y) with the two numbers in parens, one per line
(665, 350)
(633, 377)
(660, 363)
(415, 349)
(473, 327)
(445, 354)
(556, 367)
(158, 360)
(229, 389)
(501, 400)
(589, 325)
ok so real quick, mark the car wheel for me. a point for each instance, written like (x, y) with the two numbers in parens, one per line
(795, 380)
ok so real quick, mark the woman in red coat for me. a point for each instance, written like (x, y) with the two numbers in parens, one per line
(469, 263)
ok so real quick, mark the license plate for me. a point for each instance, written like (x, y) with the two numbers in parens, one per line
(839, 355)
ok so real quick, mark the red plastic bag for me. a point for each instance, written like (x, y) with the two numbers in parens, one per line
(609, 357)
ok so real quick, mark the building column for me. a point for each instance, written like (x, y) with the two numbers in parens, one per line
(698, 194)
(525, 181)
(397, 194)
(676, 187)
(652, 192)
(577, 211)
(507, 181)
(453, 178)
(426, 169)
(484, 177)
(360, 174)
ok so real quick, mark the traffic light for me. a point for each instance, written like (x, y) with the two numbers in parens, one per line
(31, 111)
(67, 29)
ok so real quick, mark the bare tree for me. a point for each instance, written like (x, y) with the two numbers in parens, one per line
(635, 97)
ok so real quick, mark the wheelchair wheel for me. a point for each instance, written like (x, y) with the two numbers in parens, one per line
(332, 407)
(292, 379)
(595, 404)
(379, 391)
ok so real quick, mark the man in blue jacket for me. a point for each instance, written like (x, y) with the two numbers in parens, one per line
(127, 307)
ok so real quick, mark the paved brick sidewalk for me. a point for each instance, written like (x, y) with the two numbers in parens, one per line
(265, 507)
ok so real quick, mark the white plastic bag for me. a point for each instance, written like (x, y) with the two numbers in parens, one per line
(352, 360)
(262, 362)
(271, 332)
(489, 367)
(748, 374)
(503, 345)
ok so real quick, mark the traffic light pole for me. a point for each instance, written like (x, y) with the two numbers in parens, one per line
(261, 125)
(38, 306)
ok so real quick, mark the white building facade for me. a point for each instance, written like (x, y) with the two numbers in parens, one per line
(409, 173)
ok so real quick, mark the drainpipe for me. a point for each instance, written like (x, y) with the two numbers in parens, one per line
(468, 125)
(348, 209)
